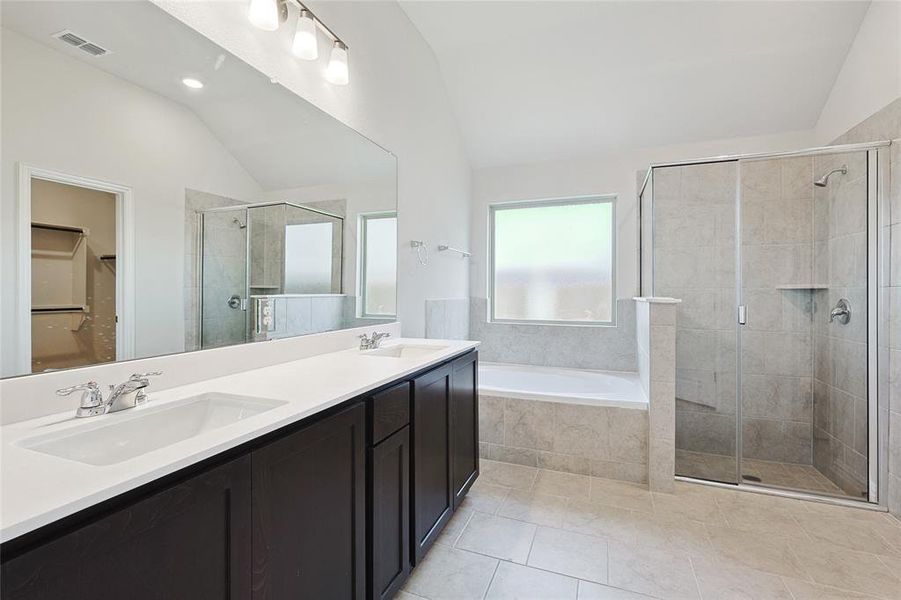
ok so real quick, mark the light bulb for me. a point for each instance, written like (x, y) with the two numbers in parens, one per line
(336, 72)
(305, 45)
(264, 14)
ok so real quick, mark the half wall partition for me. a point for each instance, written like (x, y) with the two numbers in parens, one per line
(777, 259)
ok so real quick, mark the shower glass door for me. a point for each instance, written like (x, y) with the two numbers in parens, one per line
(694, 258)
(776, 260)
(223, 289)
(804, 388)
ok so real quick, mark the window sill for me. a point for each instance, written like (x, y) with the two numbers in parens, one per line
(583, 324)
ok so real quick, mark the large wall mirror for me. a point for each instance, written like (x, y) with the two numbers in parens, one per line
(161, 196)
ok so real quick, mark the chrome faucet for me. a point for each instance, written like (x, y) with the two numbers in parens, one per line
(125, 395)
(371, 343)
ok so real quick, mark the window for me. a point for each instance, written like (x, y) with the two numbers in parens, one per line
(552, 261)
(378, 260)
(308, 259)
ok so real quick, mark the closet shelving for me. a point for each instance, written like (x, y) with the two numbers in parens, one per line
(59, 271)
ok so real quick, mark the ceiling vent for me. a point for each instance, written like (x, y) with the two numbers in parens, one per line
(76, 41)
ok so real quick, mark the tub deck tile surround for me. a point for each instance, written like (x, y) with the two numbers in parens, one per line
(634, 444)
(605, 441)
(623, 541)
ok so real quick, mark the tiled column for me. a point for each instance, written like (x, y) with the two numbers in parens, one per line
(656, 334)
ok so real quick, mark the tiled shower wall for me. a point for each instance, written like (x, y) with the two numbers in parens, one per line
(694, 236)
(694, 241)
(886, 125)
(840, 350)
(777, 354)
(226, 256)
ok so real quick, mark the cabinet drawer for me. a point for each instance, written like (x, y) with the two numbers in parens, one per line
(390, 411)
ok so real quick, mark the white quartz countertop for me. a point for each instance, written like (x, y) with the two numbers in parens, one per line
(37, 488)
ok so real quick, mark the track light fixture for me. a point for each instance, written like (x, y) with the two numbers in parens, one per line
(336, 72)
(264, 14)
(268, 15)
(306, 42)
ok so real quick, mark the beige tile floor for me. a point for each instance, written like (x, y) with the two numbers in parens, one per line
(526, 533)
(787, 475)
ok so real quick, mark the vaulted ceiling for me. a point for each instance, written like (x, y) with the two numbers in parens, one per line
(535, 81)
(280, 140)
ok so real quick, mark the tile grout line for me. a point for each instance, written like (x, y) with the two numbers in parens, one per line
(532, 543)
(782, 578)
(887, 566)
(490, 581)
(694, 575)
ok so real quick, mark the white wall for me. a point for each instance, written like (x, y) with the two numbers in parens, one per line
(62, 114)
(613, 174)
(870, 78)
(397, 98)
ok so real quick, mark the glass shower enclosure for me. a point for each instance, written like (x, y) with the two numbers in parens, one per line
(777, 260)
(267, 250)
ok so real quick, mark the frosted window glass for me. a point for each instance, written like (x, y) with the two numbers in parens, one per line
(554, 262)
(308, 258)
(380, 266)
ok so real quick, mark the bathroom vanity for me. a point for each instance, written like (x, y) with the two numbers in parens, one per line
(340, 502)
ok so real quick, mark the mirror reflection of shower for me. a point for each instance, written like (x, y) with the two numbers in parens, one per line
(824, 180)
(285, 255)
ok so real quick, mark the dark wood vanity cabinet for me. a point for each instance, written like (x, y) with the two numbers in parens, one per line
(187, 542)
(445, 446)
(432, 493)
(340, 506)
(390, 515)
(464, 407)
(309, 495)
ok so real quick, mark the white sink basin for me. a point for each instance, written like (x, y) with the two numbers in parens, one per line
(123, 436)
(406, 350)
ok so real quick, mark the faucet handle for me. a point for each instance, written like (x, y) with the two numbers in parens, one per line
(91, 387)
(144, 376)
(91, 398)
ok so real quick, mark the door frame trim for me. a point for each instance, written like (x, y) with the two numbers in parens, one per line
(125, 279)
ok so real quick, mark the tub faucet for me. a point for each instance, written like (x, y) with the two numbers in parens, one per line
(371, 343)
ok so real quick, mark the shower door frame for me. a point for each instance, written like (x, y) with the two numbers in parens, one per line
(878, 263)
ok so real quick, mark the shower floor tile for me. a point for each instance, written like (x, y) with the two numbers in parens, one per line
(717, 467)
(714, 548)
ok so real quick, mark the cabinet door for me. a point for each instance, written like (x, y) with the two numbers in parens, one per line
(309, 499)
(390, 515)
(432, 501)
(464, 425)
(191, 541)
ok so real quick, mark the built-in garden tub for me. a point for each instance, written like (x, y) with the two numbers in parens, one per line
(586, 422)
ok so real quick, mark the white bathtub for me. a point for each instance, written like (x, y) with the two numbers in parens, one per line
(575, 386)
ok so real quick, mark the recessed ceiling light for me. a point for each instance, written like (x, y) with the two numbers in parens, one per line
(194, 84)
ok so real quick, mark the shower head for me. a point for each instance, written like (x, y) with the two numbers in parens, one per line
(239, 223)
(822, 181)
